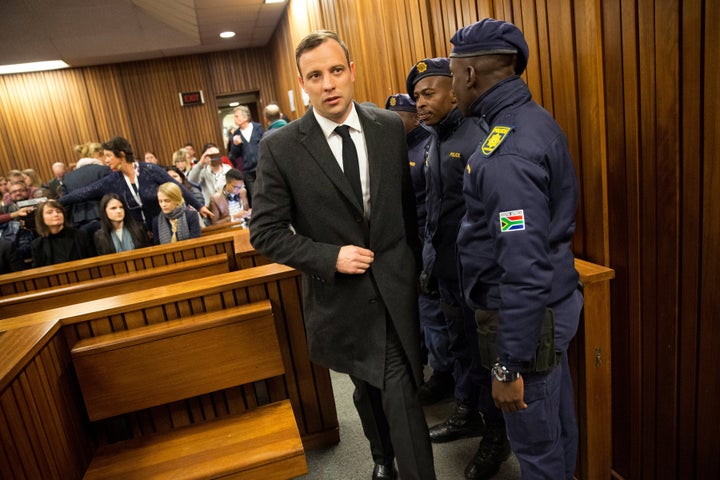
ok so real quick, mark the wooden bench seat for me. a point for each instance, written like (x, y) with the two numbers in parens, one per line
(52, 297)
(76, 271)
(130, 370)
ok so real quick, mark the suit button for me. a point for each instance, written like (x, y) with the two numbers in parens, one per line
(372, 301)
(358, 219)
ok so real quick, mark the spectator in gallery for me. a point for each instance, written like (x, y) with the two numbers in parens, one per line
(175, 222)
(230, 203)
(118, 232)
(57, 242)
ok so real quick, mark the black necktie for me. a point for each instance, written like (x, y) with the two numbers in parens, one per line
(350, 161)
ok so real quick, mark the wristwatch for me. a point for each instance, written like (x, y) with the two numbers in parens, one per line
(502, 374)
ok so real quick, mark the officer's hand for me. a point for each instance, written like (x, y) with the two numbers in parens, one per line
(354, 260)
(508, 397)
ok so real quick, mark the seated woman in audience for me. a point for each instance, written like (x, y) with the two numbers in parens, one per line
(181, 159)
(136, 183)
(118, 232)
(57, 242)
(32, 182)
(175, 222)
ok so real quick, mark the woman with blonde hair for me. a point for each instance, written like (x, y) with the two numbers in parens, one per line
(181, 160)
(175, 222)
(89, 150)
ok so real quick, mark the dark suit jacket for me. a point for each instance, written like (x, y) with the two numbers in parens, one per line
(81, 177)
(300, 183)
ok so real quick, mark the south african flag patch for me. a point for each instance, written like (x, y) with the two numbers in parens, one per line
(512, 221)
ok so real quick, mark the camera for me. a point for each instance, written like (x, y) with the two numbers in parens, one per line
(33, 202)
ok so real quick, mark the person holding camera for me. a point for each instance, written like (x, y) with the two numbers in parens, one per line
(209, 172)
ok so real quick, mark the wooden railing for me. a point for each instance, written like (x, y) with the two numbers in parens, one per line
(102, 266)
(593, 374)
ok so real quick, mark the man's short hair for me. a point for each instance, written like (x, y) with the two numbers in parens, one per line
(245, 110)
(272, 112)
(314, 40)
(232, 175)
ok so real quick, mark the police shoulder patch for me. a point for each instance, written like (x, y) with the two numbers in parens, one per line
(498, 134)
(512, 221)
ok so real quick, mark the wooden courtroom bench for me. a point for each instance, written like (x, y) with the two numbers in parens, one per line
(157, 364)
(118, 263)
(224, 227)
(47, 298)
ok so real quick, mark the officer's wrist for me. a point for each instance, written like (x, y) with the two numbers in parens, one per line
(504, 374)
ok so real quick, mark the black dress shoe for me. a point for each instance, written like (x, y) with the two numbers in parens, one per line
(464, 422)
(384, 472)
(439, 386)
(494, 449)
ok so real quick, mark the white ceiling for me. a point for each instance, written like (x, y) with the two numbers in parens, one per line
(93, 32)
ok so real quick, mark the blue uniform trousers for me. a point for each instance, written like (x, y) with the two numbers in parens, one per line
(435, 333)
(472, 380)
(544, 437)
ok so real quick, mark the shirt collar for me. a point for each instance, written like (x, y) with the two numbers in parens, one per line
(328, 126)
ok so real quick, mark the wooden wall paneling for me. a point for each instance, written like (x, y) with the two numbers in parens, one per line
(632, 245)
(109, 107)
(648, 235)
(72, 111)
(707, 456)
(591, 240)
(616, 94)
(690, 252)
(667, 232)
(33, 130)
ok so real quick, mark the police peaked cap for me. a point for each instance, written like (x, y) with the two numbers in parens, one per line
(429, 67)
(489, 37)
(400, 102)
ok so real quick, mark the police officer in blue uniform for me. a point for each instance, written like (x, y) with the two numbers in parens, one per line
(514, 247)
(440, 385)
(453, 140)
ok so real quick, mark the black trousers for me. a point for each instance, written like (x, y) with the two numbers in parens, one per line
(392, 418)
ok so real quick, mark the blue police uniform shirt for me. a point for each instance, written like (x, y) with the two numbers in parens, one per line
(452, 142)
(514, 243)
(417, 140)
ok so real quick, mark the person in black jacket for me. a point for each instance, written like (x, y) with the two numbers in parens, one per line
(57, 242)
(118, 232)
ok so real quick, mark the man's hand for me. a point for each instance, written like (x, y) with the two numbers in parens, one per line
(237, 139)
(508, 397)
(205, 212)
(354, 260)
(205, 158)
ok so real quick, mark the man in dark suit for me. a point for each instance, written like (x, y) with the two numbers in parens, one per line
(354, 247)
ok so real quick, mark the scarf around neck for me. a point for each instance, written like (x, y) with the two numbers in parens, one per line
(164, 229)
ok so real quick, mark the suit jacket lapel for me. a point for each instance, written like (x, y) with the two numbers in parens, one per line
(373, 131)
(315, 144)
